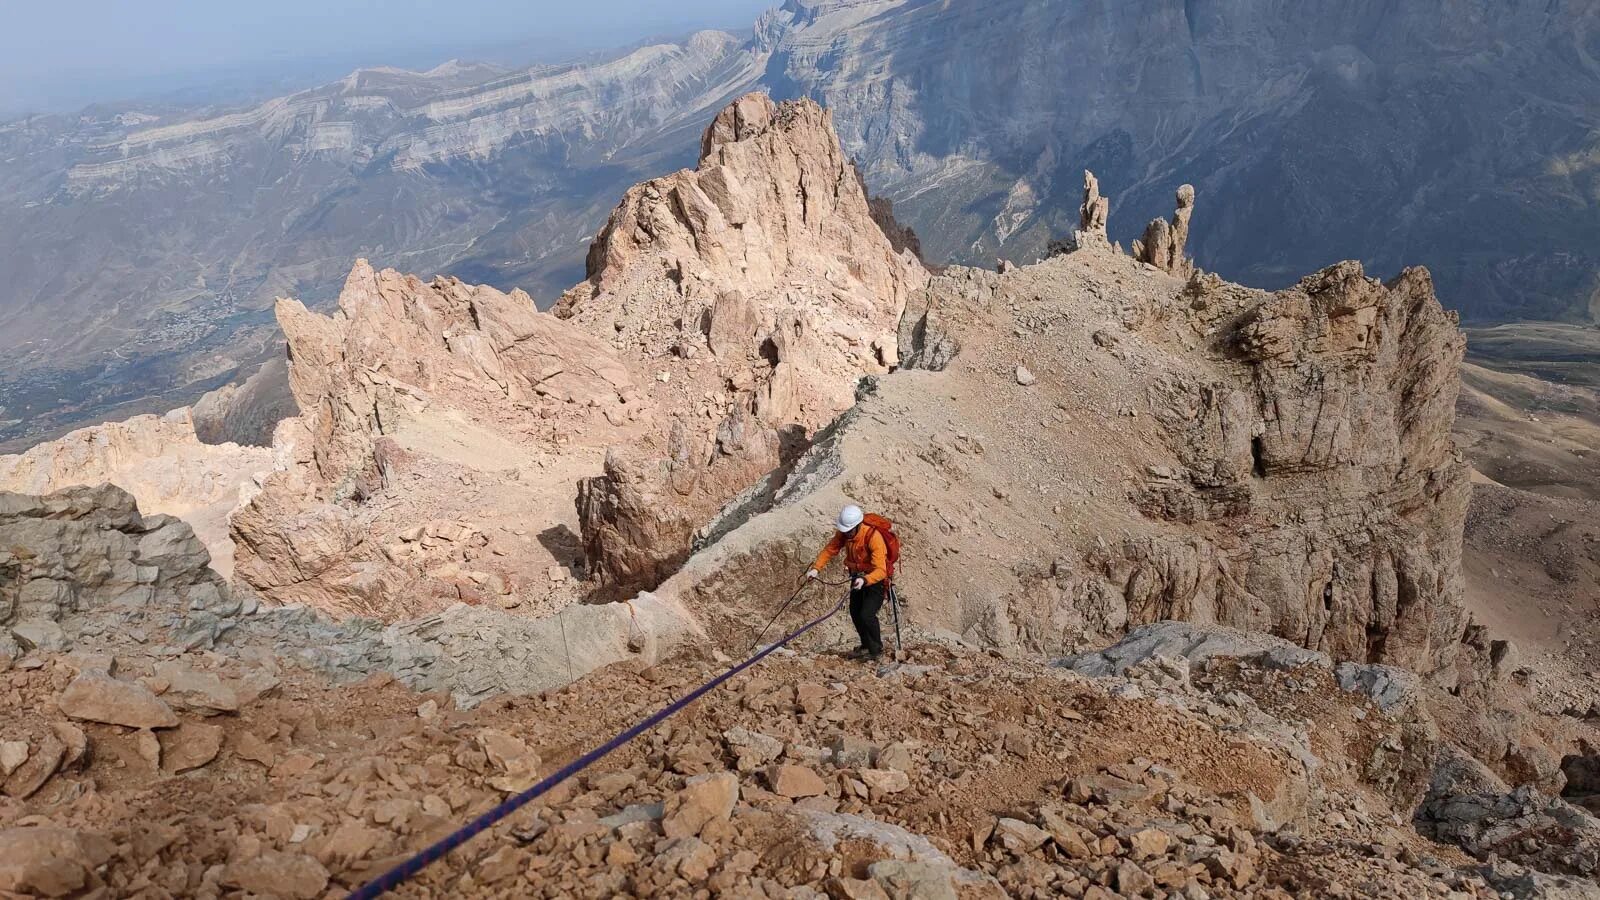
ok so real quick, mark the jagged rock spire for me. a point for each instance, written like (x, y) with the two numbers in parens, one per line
(1163, 243)
(1092, 214)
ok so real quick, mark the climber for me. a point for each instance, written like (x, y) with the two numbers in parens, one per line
(871, 550)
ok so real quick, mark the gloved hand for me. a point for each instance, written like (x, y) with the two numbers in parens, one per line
(812, 575)
(858, 584)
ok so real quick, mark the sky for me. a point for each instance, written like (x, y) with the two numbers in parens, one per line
(65, 54)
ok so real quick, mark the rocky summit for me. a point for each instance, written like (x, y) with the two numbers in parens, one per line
(1183, 609)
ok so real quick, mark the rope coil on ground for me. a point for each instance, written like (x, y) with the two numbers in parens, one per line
(403, 872)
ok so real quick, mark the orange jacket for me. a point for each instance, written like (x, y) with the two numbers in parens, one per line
(865, 554)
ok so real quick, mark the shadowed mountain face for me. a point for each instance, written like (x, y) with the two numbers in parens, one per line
(144, 247)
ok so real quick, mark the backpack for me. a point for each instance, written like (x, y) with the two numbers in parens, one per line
(891, 541)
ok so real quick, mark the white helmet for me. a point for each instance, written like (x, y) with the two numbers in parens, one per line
(849, 517)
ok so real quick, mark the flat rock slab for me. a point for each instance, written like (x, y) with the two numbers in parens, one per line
(274, 874)
(795, 782)
(1195, 643)
(96, 698)
(200, 692)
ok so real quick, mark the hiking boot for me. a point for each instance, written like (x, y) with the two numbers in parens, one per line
(857, 653)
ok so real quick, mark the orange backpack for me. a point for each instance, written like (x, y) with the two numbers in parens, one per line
(891, 541)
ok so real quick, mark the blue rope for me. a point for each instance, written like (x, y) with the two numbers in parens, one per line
(401, 873)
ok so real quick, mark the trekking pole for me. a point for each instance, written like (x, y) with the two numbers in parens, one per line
(894, 607)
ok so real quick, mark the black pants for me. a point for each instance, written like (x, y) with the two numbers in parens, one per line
(864, 606)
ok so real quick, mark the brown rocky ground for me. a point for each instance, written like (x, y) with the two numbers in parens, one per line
(960, 771)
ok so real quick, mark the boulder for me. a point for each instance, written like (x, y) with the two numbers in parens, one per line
(1147, 843)
(705, 799)
(913, 880)
(40, 765)
(50, 862)
(884, 781)
(249, 746)
(852, 752)
(190, 746)
(752, 748)
(1389, 687)
(518, 765)
(1018, 836)
(275, 874)
(795, 782)
(74, 741)
(12, 755)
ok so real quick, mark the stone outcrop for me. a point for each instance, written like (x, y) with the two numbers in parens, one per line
(397, 342)
(1164, 242)
(68, 557)
(1468, 806)
(641, 515)
(246, 412)
(768, 261)
(159, 460)
(775, 213)
(1092, 213)
(1333, 426)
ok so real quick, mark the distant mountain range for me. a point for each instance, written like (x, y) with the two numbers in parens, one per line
(143, 247)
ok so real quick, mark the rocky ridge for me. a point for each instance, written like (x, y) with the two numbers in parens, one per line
(1194, 450)
(749, 292)
(1071, 449)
